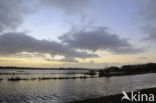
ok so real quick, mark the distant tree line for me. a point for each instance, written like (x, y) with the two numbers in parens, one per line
(37, 68)
(128, 69)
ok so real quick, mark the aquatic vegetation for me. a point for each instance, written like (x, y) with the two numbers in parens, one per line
(92, 73)
(13, 73)
(47, 78)
(17, 79)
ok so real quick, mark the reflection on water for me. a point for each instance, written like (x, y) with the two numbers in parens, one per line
(58, 91)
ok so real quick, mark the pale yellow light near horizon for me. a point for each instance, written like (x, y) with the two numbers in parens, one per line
(27, 62)
(107, 58)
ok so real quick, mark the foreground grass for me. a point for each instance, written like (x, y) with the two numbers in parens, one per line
(116, 98)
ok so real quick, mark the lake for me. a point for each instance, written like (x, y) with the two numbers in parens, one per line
(65, 90)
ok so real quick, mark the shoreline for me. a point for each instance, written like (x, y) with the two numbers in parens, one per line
(115, 98)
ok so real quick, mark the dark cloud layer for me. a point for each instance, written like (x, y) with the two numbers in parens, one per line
(12, 43)
(98, 38)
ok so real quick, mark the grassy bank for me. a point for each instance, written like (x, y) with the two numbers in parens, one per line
(116, 98)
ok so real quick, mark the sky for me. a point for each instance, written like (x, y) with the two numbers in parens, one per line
(77, 33)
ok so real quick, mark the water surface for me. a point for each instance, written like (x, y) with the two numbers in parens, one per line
(58, 91)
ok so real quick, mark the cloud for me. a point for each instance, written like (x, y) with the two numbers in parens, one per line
(68, 59)
(17, 42)
(148, 13)
(28, 55)
(90, 65)
(68, 6)
(12, 13)
(151, 33)
(142, 58)
(98, 38)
